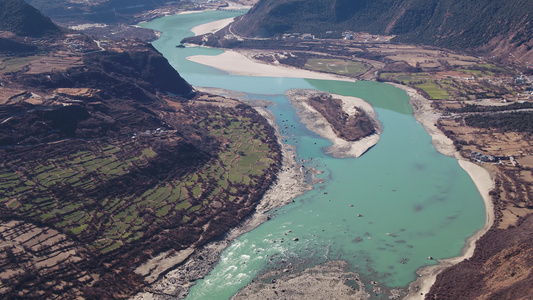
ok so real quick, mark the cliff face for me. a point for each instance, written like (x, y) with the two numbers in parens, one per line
(487, 25)
(133, 74)
(65, 86)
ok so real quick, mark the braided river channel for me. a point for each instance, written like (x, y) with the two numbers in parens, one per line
(414, 202)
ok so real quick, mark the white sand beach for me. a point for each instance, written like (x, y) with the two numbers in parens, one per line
(236, 63)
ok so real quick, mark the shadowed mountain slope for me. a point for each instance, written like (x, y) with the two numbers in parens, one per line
(493, 25)
(22, 19)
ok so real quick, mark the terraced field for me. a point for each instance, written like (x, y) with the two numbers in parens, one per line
(131, 198)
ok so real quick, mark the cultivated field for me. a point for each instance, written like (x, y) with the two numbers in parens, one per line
(125, 195)
(337, 66)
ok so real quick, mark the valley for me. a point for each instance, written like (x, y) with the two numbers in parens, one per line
(114, 170)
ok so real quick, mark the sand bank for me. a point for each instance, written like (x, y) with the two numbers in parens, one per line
(327, 281)
(237, 63)
(319, 125)
(427, 116)
(188, 12)
(211, 27)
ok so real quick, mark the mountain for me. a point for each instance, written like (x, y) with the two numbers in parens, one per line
(480, 25)
(22, 19)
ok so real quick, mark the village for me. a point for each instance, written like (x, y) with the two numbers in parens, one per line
(482, 158)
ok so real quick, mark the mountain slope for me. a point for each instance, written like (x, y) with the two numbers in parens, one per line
(108, 158)
(457, 24)
(22, 19)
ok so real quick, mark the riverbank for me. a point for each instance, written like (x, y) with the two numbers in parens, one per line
(290, 183)
(258, 68)
(329, 280)
(317, 123)
(241, 62)
(427, 116)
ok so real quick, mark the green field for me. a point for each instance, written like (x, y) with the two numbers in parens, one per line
(337, 66)
(450, 87)
(8, 65)
(421, 81)
(62, 191)
(434, 90)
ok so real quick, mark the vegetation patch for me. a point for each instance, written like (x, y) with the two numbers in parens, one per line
(337, 66)
(116, 197)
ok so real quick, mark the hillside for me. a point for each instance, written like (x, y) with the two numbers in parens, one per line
(22, 19)
(108, 94)
(110, 160)
(490, 25)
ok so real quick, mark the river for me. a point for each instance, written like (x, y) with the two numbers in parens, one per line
(414, 201)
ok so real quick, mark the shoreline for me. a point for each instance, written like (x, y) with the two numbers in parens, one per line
(241, 63)
(317, 123)
(427, 116)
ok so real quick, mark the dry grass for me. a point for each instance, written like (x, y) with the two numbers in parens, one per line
(514, 188)
(8, 94)
(55, 62)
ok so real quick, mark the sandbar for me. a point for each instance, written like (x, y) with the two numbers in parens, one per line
(317, 123)
(237, 63)
(211, 27)
(329, 280)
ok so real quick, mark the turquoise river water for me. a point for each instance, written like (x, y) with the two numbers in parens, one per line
(415, 201)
